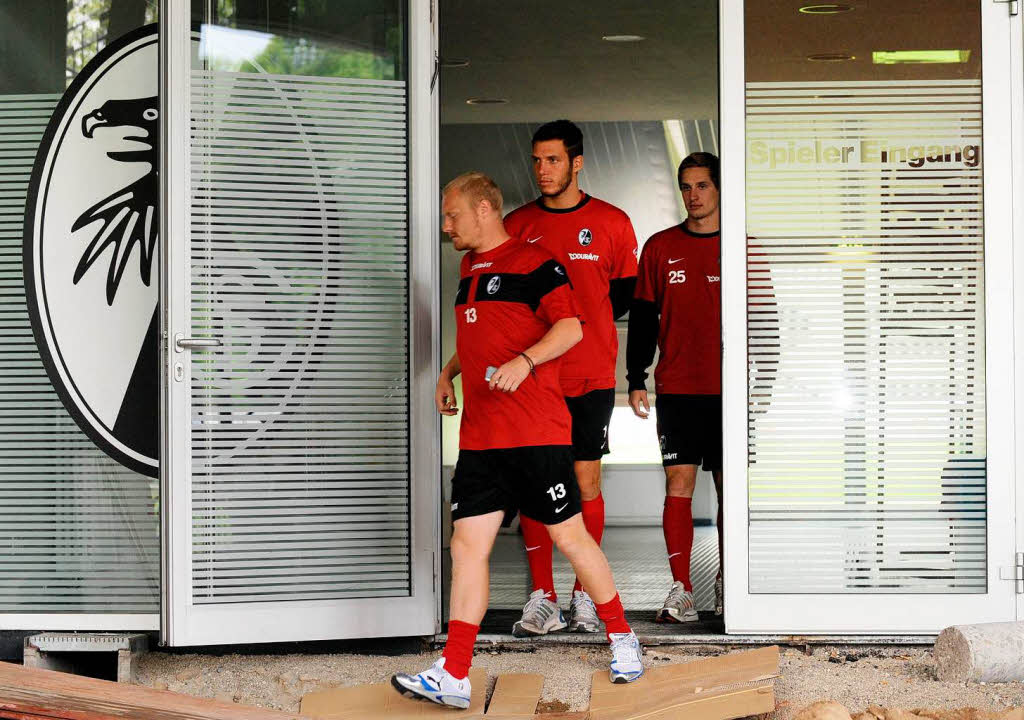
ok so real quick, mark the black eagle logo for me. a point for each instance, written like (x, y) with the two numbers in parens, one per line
(129, 215)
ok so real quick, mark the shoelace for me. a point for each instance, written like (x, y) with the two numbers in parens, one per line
(624, 648)
(584, 607)
(675, 595)
(533, 604)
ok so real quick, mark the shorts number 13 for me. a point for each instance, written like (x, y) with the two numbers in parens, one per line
(557, 492)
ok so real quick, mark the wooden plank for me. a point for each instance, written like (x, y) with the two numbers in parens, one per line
(515, 696)
(716, 688)
(33, 693)
(367, 702)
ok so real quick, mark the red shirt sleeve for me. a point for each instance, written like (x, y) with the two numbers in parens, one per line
(624, 259)
(647, 274)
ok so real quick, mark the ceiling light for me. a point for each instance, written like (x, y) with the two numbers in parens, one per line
(622, 38)
(455, 62)
(894, 57)
(831, 57)
(826, 9)
(487, 101)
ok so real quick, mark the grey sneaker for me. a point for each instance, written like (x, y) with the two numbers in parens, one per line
(582, 614)
(540, 616)
(719, 595)
(679, 606)
(626, 663)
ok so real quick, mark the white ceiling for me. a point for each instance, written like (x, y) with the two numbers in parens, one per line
(548, 59)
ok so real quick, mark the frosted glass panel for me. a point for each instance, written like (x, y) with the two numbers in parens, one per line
(866, 325)
(299, 267)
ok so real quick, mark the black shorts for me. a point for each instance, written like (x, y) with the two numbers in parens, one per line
(591, 414)
(538, 481)
(690, 430)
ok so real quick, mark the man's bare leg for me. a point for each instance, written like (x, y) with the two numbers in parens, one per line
(471, 545)
(582, 613)
(447, 681)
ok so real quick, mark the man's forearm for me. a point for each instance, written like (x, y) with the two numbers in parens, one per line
(556, 341)
(641, 342)
(452, 369)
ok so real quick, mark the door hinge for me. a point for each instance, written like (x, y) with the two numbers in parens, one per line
(1013, 7)
(1015, 573)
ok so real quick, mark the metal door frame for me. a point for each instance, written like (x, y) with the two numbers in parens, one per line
(182, 623)
(872, 614)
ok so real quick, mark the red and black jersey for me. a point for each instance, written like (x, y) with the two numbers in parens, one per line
(508, 299)
(596, 243)
(678, 300)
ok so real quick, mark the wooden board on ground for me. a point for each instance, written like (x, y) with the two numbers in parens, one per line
(716, 688)
(383, 701)
(33, 694)
(515, 696)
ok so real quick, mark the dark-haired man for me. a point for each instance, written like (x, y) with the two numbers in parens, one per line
(596, 243)
(677, 308)
(515, 317)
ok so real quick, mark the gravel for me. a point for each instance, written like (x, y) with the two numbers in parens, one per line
(855, 677)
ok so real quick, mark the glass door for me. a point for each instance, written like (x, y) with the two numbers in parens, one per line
(300, 210)
(867, 304)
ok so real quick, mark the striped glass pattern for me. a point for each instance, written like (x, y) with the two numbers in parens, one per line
(866, 337)
(79, 533)
(300, 436)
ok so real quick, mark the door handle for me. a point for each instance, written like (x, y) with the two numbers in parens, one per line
(184, 343)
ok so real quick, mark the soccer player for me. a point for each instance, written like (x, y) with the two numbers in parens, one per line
(596, 243)
(677, 307)
(515, 316)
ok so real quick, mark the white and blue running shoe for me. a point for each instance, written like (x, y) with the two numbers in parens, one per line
(435, 684)
(626, 663)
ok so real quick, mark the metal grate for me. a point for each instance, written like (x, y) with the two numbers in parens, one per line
(300, 437)
(866, 343)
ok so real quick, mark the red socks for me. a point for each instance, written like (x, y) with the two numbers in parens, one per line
(677, 524)
(613, 616)
(593, 520)
(538, 554)
(458, 651)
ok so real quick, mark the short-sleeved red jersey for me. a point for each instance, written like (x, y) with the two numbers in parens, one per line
(680, 272)
(596, 243)
(508, 299)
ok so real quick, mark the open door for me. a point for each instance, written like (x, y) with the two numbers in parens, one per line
(300, 471)
(868, 316)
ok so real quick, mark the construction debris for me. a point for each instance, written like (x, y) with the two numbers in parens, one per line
(34, 694)
(829, 710)
(987, 652)
(719, 688)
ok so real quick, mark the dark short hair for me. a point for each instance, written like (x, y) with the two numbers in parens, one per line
(700, 159)
(564, 130)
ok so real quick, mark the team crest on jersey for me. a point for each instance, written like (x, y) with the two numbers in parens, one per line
(586, 237)
(493, 284)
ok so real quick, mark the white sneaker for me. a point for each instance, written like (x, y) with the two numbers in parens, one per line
(582, 614)
(626, 663)
(435, 684)
(679, 606)
(540, 616)
(719, 595)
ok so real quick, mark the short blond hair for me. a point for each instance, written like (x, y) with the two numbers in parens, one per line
(477, 187)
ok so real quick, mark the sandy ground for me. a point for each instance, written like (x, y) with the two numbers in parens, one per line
(855, 677)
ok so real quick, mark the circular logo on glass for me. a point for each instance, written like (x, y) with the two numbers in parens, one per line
(90, 250)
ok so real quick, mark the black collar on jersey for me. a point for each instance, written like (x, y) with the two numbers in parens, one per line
(688, 231)
(561, 211)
